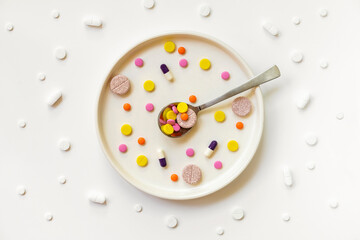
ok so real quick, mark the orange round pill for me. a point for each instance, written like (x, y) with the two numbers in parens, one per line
(239, 125)
(184, 116)
(174, 177)
(192, 98)
(141, 140)
(127, 107)
(181, 50)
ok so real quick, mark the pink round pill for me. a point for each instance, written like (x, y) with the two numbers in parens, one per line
(218, 165)
(139, 62)
(183, 62)
(149, 107)
(190, 152)
(162, 122)
(171, 122)
(174, 108)
(176, 127)
(122, 148)
(225, 75)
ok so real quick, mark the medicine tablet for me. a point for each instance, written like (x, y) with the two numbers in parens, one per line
(142, 160)
(303, 99)
(233, 146)
(324, 64)
(219, 116)
(310, 165)
(296, 56)
(237, 213)
(296, 20)
(48, 216)
(191, 174)
(270, 28)
(55, 14)
(218, 164)
(127, 106)
(21, 190)
(190, 152)
(219, 230)
(120, 84)
(204, 10)
(149, 107)
(241, 106)
(138, 208)
(22, 123)
(62, 179)
(182, 107)
(174, 108)
(60, 53)
(183, 63)
(323, 12)
(169, 47)
(340, 115)
(171, 221)
(54, 98)
(190, 122)
(9, 27)
(205, 64)
(93, 21)
(165, 112)
(167, 129)
(141, 141)
(122, 148)
(126, 129)
(176, 127)
(171, 122)
(64, 144)
(174, 177)
(171, 115)
(311, 139)
(288, 181)
(139, 62)
(148, 4)
(286, 217)
(181, 50)
(149, 85)
(97, 197)
(225, 75)
(192, 98)
(239, 125)
(41, 76)
(333, 203)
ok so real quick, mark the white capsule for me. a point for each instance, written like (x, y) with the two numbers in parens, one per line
(54, 97)
(303, 99)
(219, 230)
(97, 197)
(169, 76)
(270, 28)
(148, 4)
(48, 216)
(21, 190)
(296, 56)
(160, 153)
(171, 221)
(60, 53)
(137, 207)
(208, 152)
(311, 139)
(288, 180)
(22, 123)
(204, 10)
(64, 144)
(93, 21)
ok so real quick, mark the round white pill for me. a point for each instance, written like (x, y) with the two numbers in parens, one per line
(323, 12)
(296, 20)
(237, 214)
(55, 14)
(64, 144)
(41, 76)
(311, 139)
(204, 10)
(333, 203)
(48, 216)
(60, 53)
(296, 56)
(219, 231)
(310, 165)
(148, 3)
(22, 123)
(9, 26)
(340, 115)
(21, 190)
(62, 179)
(323, 64)
(137, 207)
(171, 221)
(286, 217)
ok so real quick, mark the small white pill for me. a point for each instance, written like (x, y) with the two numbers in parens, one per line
(97, 197)
(323, 12)
(288, 180)
(270, 28)
(340, 115)
(323, 63)
(9, 26)
(311, 139)
(62, 179)
(55, 14)
(296, 20)
(21, 190)
(137, 207)
(296, 56)
(286, 217)
(219, 231)
(48, 216)
(333, 203)
(204, 10)
(64, 144)
(93, 21)
(41, 76)
(171, 221)
(237, 214)
(54, 97)
(148, 4)
(303, 99)
(22, 123)
(60, 53)
(310, 165)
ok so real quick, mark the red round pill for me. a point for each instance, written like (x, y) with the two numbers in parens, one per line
(181, 50)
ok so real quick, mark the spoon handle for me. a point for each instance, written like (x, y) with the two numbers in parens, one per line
(264, 77)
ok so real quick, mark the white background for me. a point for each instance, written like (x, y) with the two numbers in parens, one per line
(31, 157)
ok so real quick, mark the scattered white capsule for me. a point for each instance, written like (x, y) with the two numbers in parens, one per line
(148, 4)
(237, 214)
(270, 28)
(333, 203)
(286, 217)
(296, 20)
(97, 197)
(288, 180)
(21, 190)
(219, 231)
(323, 12)
(171, 221)
(137, 207)
(311, 139)
(323, 63)
(204, 10)
(22, 123)
(296, 56)
(310, 165)
(41, 76)
(303, 99)
(54, 97)
(9, 26)
(62, 179)
(48, 216)
(55, 14)
(64, 144)
(60, 53)
(168, 75)
(340, 115)
(93, 21)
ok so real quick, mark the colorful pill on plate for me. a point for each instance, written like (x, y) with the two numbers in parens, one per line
(241, 106)
(209, 151)
(176, 127)
(183, 63)
(167, 129)
(181, 50)
(141, 160)
(233, 146)
(169, 46)
(219, 116)
(192, 98)
(190, 152)
(225, 75)
(149, 85)
(162, 159)
(139, 62)
(174, 177)
(218, 165)
(120, 84)
(239, 125)
(168, 75)
(149, 107)
(127, 107)
(170, 115)
(122, 148)
(174, 109)
(141, 140)
(126, 129)
(191, 174)
(205, 64)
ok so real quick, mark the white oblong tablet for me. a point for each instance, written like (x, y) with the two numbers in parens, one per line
(60, 53)
(54, 97)
(48, 216)
(311, 139)
(93, 21)
(237, 214)
(171, 221)
(55, 14)
(148, 4)
(22, 123)
(9, 26)
(97, 197)
(21, 190)
(296, 20)
(62, 179)
(220, 231)
(286, 217)
(64, 144)
(296, 56)
(204, 10)
(270, 28)
(303, 99)
(137, 207)
(288, 180)
(41, 76)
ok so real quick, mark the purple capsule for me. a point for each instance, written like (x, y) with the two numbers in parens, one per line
(162, 159)
(162, 162)
(209, 151)
(166, 72)
(213, 145)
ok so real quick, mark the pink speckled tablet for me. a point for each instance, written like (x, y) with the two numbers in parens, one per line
(174, 108)
(122, 148)
(218, 165)
(191, 174)
(183, 62)
(162, 122)
(191, 119)
(241, 106)
(139, 62)
(149, 107)
(190, 152)
(171, 122)
(225, 75)
(120, 84)
(176, 127)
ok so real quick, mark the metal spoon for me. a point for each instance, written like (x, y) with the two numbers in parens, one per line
(264, 77)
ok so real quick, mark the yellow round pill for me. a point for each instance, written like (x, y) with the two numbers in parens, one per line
(182, 107)
(233, 145)
(219, 116)
(171, 115)
(205, 63)
(126, 129)
(165, 112)
(167, 129)
(169, 47)
(141, 160)
(149, 85)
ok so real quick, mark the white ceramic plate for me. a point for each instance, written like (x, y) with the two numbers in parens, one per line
(206, 85)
